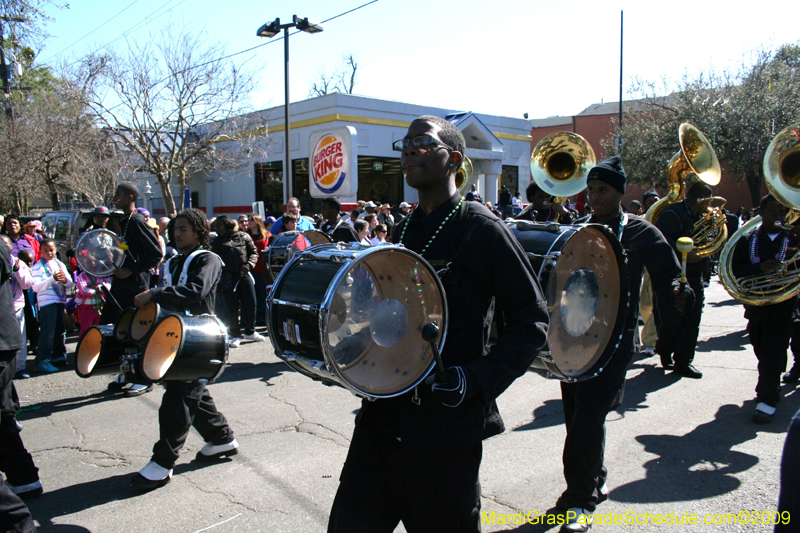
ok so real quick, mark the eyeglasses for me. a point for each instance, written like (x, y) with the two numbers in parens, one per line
(419, 141)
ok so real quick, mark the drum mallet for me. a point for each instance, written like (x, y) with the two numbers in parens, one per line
(110, 297)
(685, 245)
(430, 333)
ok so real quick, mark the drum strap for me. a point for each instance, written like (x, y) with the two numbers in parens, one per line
(185, 271)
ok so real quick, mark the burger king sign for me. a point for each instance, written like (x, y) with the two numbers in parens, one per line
(333, 172)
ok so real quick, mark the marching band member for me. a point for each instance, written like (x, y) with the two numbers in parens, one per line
(415, 458)
(587, 403)
(769, 326)
(333, 223)
(675, 221)
(186, 403)
(142, 253)
(542, 208)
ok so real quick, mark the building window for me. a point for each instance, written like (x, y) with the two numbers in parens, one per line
(380, 179)
(269, 186)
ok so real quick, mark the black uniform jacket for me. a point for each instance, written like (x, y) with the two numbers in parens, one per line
(742, 265)
(197, 296)
(10, 337)
(645, 247)
(677, 221)
(341, 231)
(143, 254)
(487, 267)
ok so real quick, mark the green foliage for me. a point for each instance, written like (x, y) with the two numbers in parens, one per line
(740, 112)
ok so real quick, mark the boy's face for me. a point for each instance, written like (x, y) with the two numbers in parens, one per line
(27, 257)
(49, 251)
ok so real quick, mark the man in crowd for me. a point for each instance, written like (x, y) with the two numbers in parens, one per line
(586, 403)
(385, 217)
(334, 224)
(415, 457)
(403, 212)
(505, 202)
(649, 198)
(543, 208)
(675, 221)
(142, 253)
(293, 208)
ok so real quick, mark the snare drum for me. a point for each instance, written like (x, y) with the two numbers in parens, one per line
(185, 348)
(286, 245)
(100, 351)
(584, 275)
(353, 314)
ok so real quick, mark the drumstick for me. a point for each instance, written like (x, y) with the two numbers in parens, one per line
(685, 245)
(109, 296)
(429, 334)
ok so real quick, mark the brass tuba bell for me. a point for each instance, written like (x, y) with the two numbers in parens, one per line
(464, 176)
(782, 177)
(560, 163)
(695, 161)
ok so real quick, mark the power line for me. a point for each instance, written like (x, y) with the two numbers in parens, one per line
(94, 30)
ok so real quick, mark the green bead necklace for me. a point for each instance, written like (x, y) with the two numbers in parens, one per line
(436, 233)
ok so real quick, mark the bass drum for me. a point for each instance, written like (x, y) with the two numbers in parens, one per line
(100, 252)
(185, 348)
(100, 352)
(353, 315)
(583, 273)
(283, 248)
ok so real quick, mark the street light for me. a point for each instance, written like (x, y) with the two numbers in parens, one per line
(269, 31)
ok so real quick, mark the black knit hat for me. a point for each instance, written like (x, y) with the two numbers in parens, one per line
(648, 194)
(610, 171)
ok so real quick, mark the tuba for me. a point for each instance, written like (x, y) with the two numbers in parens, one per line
(695, 161)
(560, 164)
(464, 176)
(782, 176)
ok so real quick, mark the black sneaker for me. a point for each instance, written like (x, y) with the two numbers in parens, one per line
(792, 375)
(688, 371)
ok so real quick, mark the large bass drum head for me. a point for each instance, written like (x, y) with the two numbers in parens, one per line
(98, 252)
(376, 311)
(587, 297)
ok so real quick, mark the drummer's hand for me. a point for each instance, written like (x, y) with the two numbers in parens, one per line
(684, 299)
(455, 390)
(142, 299)
(243, 271)
(122, 273)
(559, 208)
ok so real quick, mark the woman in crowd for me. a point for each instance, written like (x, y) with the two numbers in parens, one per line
(19, 239)
(258, 232)
(236, 288)
(380, 235)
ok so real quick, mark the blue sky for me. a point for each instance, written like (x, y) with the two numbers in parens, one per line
(506, 57)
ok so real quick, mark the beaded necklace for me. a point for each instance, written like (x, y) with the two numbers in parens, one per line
(56, 285)
(755, 259)
(435, 233)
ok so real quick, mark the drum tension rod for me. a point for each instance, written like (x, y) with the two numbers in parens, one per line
(430, 332)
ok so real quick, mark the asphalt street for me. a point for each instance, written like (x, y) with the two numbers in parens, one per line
(678, 446)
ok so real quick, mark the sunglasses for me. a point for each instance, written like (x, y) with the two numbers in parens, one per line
(419, 141)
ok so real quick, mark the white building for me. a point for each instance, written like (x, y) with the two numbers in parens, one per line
(499, 148)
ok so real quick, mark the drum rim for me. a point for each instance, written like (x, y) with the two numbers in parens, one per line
(347, 264)
(268, 250)
(99, 328)
(143, 339)
(92, 232)
(622, 311)
(131, 313)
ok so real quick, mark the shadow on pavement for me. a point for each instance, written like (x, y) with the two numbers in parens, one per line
(64, 404)
(551, 413)
(702, 463)
(733, 341)
(245, 371)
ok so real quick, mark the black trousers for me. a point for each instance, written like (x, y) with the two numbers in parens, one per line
(677, 334)
(770, 341)
(795, 342)
(31, 324)
(186, 405)
(15, 460)
(789, 499)
(586, 405)
(430, 491)
(14, 515)
(245, 294)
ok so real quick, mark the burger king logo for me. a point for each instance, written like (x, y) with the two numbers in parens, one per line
(329, 163)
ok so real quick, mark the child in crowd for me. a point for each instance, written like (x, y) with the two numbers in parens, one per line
(31, 322)
(90, 298)
(21, 283)
(50, 282)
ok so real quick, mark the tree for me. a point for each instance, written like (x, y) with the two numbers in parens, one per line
(341, 81)
(167, 103)
(739, 112)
